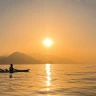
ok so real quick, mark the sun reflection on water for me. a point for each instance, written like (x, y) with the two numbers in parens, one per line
(48, 76)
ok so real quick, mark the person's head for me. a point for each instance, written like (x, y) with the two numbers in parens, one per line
(11, 65)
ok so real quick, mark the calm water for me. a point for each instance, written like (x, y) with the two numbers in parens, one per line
(50, 80)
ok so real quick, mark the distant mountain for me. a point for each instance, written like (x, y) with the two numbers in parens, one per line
(19, 58)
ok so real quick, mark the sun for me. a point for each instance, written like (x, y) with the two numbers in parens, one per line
(48, 42)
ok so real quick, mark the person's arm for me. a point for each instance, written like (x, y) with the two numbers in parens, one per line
(14, 69)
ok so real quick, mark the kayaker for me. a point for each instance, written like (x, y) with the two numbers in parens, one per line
(11, 69)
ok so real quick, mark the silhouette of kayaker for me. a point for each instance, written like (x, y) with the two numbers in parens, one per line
(11, 69)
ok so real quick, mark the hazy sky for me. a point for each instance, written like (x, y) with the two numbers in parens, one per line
(71, 24)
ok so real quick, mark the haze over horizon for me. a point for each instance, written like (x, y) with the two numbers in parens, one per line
(71, 24)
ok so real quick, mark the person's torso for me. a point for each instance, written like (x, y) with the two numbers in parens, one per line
(11, 69)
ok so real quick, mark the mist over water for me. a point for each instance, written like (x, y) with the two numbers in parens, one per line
(50, 80)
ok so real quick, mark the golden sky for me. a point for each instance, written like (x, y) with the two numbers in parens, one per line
(71, 24)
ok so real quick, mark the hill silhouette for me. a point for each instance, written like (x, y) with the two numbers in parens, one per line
(19, 58)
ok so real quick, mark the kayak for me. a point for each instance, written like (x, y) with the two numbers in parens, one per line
(7, 71)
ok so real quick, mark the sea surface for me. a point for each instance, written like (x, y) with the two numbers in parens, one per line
(50, 80)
